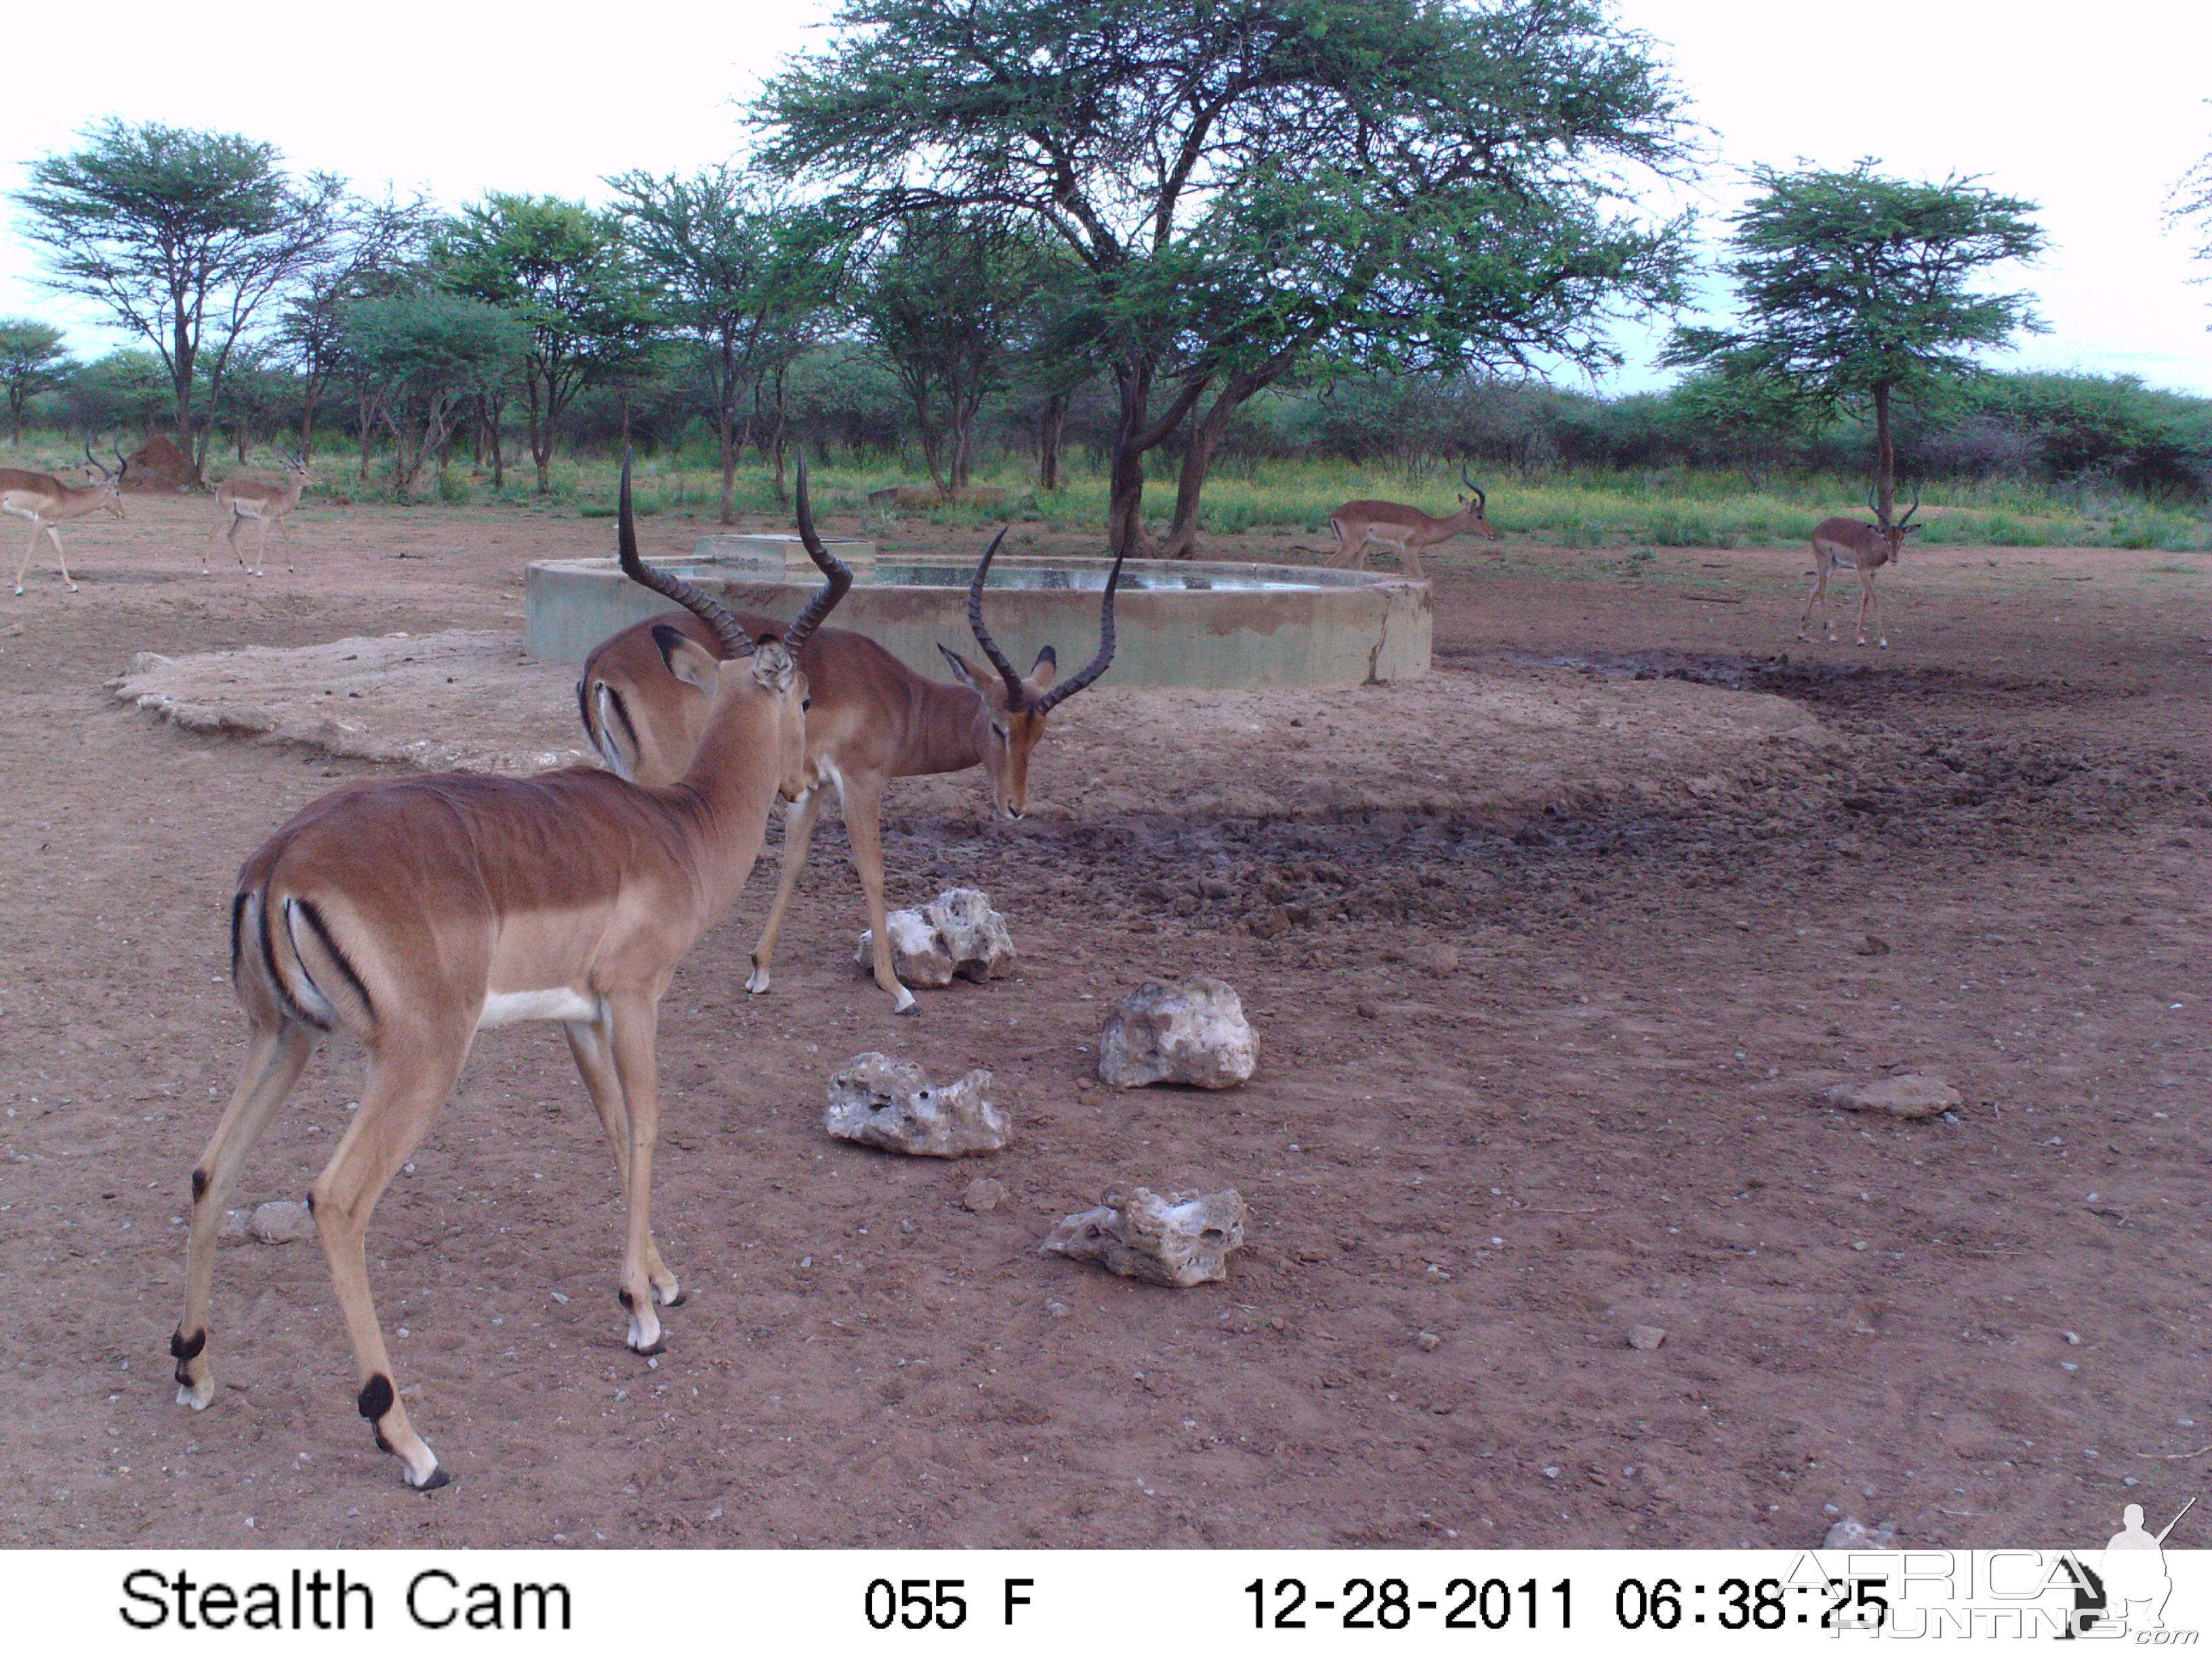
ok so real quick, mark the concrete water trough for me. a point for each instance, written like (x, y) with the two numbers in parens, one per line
(1177, 622)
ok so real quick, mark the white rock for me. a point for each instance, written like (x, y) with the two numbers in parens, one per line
(1183, 1239)
(881, 1102)
(956, 934)
(1645, 1338)
(1907, 1095)
(1853, 1535)
(1196, 1034)
(281, 1221)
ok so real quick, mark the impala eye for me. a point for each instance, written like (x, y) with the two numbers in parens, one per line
(1000, 732)
(805, 703)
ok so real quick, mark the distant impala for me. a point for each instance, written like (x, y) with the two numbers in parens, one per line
(244, 499)
(1849, 544)
(45, 501)
(1405, 530)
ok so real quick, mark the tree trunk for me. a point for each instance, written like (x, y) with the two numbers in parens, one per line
(1205, 435)
(1885, 464)
(495, 413)
(541, 443)
(726, 430)
(1052, 425)
(1133, 439)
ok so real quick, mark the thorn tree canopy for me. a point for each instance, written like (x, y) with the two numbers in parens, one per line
(563, 270)
(1400, 183)
(182, 235)
(1854, 287)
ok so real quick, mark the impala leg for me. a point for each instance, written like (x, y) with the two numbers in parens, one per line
(274, 1056)
(408, 1081)
(25, 566)
(1820, 594)
(61, 557)
(591, 1044)
(1413, 557)
(1872, 595)
(238, 523)
(1349, 554)
(261, 547)
(635, 1024)
(864, 828)
(799, 818)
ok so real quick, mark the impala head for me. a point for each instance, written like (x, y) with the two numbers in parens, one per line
(1893, 535)
(1011, 710)
(1473, 504)
(768, 665)
(297, 466)
(111, 484)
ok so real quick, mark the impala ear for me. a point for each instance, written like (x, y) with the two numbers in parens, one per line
(688, 660)
(1043, 670)
(773, 666)
(968, 674)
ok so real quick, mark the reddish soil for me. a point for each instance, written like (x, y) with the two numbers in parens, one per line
(1537, 1067)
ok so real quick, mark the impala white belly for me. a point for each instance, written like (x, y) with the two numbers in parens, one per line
(512, 1007)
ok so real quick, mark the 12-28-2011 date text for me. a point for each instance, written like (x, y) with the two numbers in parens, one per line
(1464, 1603)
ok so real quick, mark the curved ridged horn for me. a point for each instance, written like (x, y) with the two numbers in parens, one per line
(1017, 694)
(1872, 508)
(1912, 509)
(98, 466)
(839, 574)
(1067, 689)
(727, 632)
(1481, 501)
(122, 463)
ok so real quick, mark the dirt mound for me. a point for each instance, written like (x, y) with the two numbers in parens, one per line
(158, 465)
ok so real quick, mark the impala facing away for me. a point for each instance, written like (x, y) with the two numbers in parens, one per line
(1849, 544)
(416, 912)
(242, 499)
(1405, 530)
(45, 501)
(872, 720)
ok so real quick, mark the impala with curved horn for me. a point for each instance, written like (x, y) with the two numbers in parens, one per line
(1850, 544)
(1406, 531)
(872, 720)
(416, 912)
(242, 500)
(46, 502)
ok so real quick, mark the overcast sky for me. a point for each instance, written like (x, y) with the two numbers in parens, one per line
(2094, 112)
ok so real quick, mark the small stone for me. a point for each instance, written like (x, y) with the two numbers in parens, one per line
(281, 1221)
(1182, 1240)
(1645, 1338)
(1196, 1034)
(1054, 1308)
(1438, 959)
(1908, 1095)
(1874, 945)
(983, 1194)
(881, 1102)
(1850, 1534)
(1428, 1341)
(1366, 1010)
(237, 1227)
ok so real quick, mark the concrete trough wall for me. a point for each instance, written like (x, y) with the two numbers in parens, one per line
(1320, 628)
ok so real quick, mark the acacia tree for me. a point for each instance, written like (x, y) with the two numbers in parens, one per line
(748, 276)
(373, 248)
(1857, 289)
(183, 235)
(421, 360)
(32, 359)
(946, 303)
(563, 270)
(1246, 181)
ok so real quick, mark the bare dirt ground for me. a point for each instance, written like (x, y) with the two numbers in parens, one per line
(1551, 957)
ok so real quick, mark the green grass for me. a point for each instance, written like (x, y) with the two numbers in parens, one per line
(1666, 507)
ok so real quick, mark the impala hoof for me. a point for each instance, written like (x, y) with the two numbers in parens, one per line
(659, 1345)
(431, 1482)
(197, 1395)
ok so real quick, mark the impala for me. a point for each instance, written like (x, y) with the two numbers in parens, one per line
(46, 502)
(872, 720)
(243, 499)
(1405, 530)
(1850, 544)
(416, 912)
